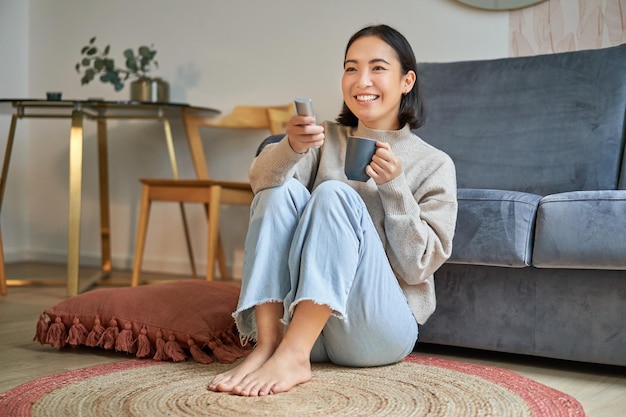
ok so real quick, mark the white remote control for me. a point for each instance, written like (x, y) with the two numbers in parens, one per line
(304, 106)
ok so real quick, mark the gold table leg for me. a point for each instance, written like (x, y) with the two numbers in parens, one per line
(76, 138)
(105, 216)
(170, 149)
(3, 182)
(7, 158)
(75, 188)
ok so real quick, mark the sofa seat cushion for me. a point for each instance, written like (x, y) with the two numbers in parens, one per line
(581, 229)
(494, 228)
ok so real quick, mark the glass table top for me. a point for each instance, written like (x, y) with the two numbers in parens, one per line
(99, 108)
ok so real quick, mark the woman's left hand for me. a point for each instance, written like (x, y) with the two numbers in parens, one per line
(385, 165)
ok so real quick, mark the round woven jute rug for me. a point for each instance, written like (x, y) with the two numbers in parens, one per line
(419, 386)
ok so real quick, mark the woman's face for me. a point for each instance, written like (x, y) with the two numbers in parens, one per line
(373, 83)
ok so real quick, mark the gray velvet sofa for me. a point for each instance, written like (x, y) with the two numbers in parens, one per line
(539, 258)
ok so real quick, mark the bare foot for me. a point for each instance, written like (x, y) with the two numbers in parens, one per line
(225, 382)
(283, 371)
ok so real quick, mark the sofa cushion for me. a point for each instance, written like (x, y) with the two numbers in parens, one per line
(494, 228)
(542, 124)
(581, 229)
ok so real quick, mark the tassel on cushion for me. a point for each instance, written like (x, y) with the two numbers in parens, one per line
(197, 353)
(160, 348)
(144, 349)
(228, 343)
(124, 341)
(108, 338)
(57, 333)
(42, 330)
(233, 339)
(232, 344)
(222, 352)
(95, 334)
(77, 334)
(173, 350)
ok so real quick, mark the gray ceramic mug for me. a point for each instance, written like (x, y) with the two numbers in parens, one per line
(359, 153)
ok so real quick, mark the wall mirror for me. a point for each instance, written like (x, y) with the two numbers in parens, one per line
(500, 4)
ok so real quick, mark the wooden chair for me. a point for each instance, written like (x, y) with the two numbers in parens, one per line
(211, 193)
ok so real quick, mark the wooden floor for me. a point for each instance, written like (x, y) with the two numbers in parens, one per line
(600, 389)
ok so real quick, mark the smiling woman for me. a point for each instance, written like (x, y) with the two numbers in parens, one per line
(322, 248)
(500, 4)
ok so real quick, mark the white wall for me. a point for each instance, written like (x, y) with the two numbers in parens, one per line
(14, 83)
(213, 53)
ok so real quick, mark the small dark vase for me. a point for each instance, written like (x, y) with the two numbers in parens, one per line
(153, 90)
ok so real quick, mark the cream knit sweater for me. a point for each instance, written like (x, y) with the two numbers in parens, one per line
(414, 214)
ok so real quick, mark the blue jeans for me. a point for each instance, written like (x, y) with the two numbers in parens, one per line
(323, 247)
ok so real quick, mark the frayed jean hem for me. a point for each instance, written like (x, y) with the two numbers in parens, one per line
(245, 320)
(289, 312)
(245, 317)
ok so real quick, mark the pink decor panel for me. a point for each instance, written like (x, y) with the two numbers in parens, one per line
(567, 25)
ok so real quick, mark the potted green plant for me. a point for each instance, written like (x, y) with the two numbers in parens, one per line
(96, 62)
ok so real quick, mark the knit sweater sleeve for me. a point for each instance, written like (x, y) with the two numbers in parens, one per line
(420, 219)
(278, 162)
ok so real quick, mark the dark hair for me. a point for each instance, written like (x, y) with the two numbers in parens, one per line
(411, 106)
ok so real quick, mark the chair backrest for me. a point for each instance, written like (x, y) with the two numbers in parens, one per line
(272, 118)
(278, 119)
(248, 117)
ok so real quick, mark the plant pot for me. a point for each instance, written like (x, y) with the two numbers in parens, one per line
(153, 90)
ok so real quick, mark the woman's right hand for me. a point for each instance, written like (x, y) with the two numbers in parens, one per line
(303, 133)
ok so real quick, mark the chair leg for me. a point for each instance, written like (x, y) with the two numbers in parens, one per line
(214, 222)
(3, 278)
(142, 231)
(192, 261)
(221, 257)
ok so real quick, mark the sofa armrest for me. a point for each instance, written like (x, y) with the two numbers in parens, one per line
(494, 228)
(582, 230)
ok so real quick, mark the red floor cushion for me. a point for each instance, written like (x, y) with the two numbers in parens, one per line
(170, 321)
